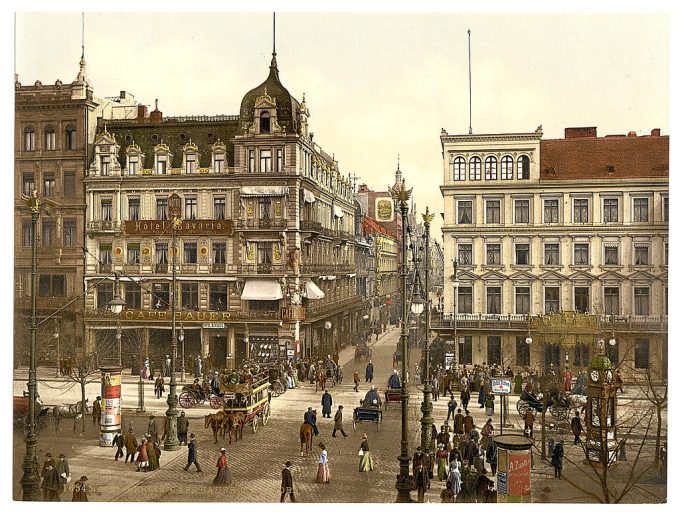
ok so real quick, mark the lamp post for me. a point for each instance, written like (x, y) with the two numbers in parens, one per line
(171, 442)
(181, 340)
(404, 483)
(56, 337)
(426, 406)
(116, 306)
(30, 482)
(455, 284)
(119, 335)
(327, 326)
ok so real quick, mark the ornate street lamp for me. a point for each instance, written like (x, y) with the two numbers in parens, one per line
(56, 337)
(404, 483)
(116, 306)
(119, 335)
(426, 406)
(455, 284)
(181, 340)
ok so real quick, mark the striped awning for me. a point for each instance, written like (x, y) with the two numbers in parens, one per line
(262, 289)
(263, 191)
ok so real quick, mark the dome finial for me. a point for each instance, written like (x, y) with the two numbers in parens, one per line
(273, 65)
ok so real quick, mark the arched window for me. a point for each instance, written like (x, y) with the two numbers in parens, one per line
(264, 122)
(475, 168)
(458, 169)
(506, 168)
(523, 168)
(50, 139)
(491, 168)
(29, 139)
(70, 138)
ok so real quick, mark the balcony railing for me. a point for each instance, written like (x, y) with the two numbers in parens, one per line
(188, 268)
(310, 226)
(132, 268)
(634, 323)
(161, 268)
(219, 268)
(104, 268)
(100, 226)
(262, 268)
(263, 224)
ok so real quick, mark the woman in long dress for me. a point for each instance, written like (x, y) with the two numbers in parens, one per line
(152, 454)
(441, 456)
(323, 473)
(142, 457)
(365, 460)
(223, 476)
(454, 479)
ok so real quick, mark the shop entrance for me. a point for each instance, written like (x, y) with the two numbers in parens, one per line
(218, 351)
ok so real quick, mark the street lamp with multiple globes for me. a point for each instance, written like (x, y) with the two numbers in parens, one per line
(426, 406)
(404, 483)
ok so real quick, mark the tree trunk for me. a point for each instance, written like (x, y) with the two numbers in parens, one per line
(657, 447)
(544, 401)
(82, 399)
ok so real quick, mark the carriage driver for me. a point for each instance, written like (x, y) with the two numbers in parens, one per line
(372, 398)
(197, 388)
(310, 418)
(395, 380)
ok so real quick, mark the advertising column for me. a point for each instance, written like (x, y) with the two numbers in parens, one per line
(110, 422)
(514, 468)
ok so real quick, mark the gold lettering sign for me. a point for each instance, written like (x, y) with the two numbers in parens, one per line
(194, 227)
(143, 315)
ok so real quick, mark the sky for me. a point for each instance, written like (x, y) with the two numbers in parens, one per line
(379, 85)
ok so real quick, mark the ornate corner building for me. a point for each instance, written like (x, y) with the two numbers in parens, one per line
(564, 241)
(265, 254)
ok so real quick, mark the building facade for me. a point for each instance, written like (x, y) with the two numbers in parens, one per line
(564, 241)
(264, 256)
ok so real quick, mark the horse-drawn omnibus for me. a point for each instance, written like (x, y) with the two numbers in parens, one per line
(249, 397)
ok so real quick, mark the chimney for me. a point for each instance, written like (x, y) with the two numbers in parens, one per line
(156, 116)
(142, 111)
(580, 132)
(632, 134)
(656, 132)
(122, 94)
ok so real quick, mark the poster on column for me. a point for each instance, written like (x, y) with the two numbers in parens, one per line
(519, 475)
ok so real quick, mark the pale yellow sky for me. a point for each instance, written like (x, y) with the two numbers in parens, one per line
(377, 84)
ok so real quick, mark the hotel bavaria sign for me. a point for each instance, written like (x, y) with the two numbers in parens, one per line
(203, 227)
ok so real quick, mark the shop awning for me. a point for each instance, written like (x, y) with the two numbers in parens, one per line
(311, 291)
(308, 196)
(327, 277)
(263, 191)
(337, 211)
(351, 275)
(260, 289)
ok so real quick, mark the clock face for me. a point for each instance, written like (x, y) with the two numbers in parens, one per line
(609, 375)
(595, 375)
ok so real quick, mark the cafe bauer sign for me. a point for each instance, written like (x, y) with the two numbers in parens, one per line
(203, 227)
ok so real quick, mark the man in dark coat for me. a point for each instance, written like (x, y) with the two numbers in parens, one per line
(369, 371)
(557, 455)
(458, 427)
(452, 404)
(287, 483)
(63, 472)
(468, 423)
(118, 442)
(192, 457)
(492, 455)
(130, 446)
(153, 429)
(576, 428)
(50, 484)
(326, 404)
(465, 397)
(421, 479)
(310, 418)
(483, 487)
(96, 410)
(182, 428)
(338, 422)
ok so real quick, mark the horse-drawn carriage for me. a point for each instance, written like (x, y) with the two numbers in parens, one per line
(191, 396)
(558, 402)
(249, 398)
(20, 403)
(362, 350)
(392, 395)
(370, 410)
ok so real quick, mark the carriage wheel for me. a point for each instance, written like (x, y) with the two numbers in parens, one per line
(354, 424)
(254, 424)
(277, 388)
(265, 415)
(215, 402)
(187, 400)
(558, 412)
(522, 406)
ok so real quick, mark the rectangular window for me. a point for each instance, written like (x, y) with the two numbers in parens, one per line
(218, 297)
(611, 211)
(27, 233)
(464, 300)
(218, 163)
(190, 208)
(160, 298)
(133, 295)
(582, 299)
(70, 139)
(551, 254)
(48, 185)
(465, 254)
(219, 252)
(641, 300)
(104, 294)
(522, 300)
(28, 184)
(552, 355)
(219, 208)
(107, 211)
(264, 253)
(48, 233)
(640, 209)
(464, 212)
(133, 165)
(189, 296)
(279, 160)
(69, 184)
(521, 211)
(611, 300)
(190, 165)
(522, 254)
(522, 352)
(105, 253)
(162, 208)
(493, 211)
(581, 254)
(69, 237)
(493, 350)
(263, 305)
(611, 254)
(162, 253)
(133, 253)
(552, 300)
(251, 161)
(105, 163)
(666, 210)
(581, 355)
(29, 140)
(52, 286)
(133, 209)
(465, 349)
(551, 211)
(265, 205)
(190, 253)
(493, 254)
(642, 353)
(493, 300)
(161, 165)
(265, 160)
(580, 210)
(50, 140)
(641, 255)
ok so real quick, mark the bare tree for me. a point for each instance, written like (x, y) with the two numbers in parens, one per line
(83, 372)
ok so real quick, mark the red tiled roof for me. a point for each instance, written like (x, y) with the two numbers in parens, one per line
(604, 158)
(370, 226)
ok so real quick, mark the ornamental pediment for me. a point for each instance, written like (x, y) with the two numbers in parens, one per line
(552, 276)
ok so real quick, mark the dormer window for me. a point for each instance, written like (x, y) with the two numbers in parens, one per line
(219, 159)
(133, 164)
(104, 165)
(265, 126)
(50, 139)
(162, 158)
(162, 165)
(190, 163)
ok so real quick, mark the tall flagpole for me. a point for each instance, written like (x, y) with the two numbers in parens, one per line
(470, 79)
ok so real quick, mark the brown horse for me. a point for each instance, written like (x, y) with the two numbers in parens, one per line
(215, 421)
(306, 437)
(233, 424)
